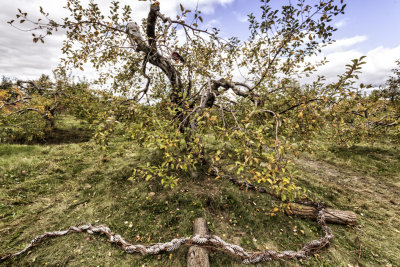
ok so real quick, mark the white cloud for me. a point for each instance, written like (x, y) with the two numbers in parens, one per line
(239, 17)
(345, 43)
(379, 61)
(341, 23)
(20, 57)
(214, 23)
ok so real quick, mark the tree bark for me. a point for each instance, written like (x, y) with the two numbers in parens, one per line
(331, 215)
(153, 56)
(197, 256)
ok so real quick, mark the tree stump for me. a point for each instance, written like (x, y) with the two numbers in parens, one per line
(198, 256)
(331, 215)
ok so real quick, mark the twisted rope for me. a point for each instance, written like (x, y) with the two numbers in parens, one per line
(209, 241)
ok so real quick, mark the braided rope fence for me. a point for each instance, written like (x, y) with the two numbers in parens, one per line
(207, 241)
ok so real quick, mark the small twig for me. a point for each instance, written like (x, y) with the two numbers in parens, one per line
(359, 251)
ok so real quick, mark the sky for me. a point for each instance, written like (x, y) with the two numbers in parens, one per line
(368, 28)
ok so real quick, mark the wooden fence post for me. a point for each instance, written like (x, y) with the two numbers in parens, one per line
(198, 256)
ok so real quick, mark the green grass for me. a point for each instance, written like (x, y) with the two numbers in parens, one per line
(379, 160)
(51, 187)
(366, 179)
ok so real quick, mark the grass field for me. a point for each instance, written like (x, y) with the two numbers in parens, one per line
(70, 182)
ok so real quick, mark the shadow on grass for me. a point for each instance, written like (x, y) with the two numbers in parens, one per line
(379, 160)
(57, 136)
(374, 153)
(8, 150)
(67, 130)
(67, 136)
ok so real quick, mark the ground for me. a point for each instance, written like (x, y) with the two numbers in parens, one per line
(50, 187)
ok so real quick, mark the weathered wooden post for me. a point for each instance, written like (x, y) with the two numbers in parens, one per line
(198, 256)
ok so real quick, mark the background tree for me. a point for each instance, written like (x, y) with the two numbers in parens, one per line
(29, 108)
(367, 117)
(392, 90)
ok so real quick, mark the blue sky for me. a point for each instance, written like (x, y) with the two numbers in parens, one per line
(379, 20)
(368, 27)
